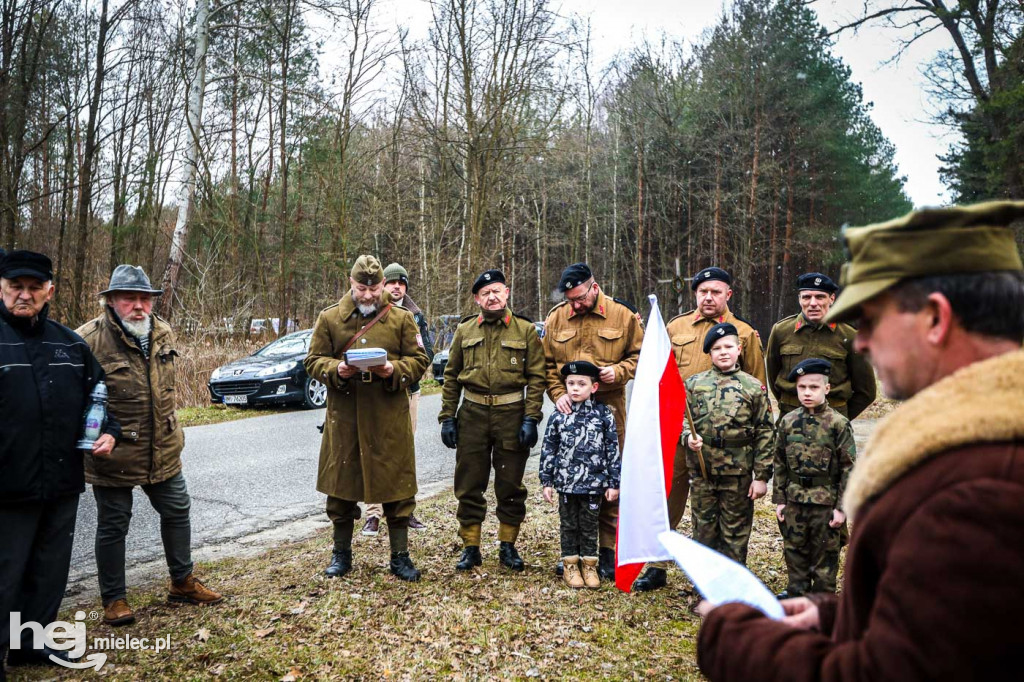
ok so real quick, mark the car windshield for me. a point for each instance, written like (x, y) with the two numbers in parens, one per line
(292, 345)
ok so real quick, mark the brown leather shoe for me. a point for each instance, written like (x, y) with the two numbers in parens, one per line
(118, 613)
(372, 526)
(415, 523)
(191, 591)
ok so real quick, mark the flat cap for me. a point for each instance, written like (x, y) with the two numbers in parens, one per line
(582, 368)
(573, 276)
(810, 366)
(933, 241)
(488, 277)
(20, 263)
(719, 331)
(394, 272)
(709, 275)
(816, 281)
(367, 271)
(130, 278)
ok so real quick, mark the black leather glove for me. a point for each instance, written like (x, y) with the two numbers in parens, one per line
(528, 433)
(450, 432)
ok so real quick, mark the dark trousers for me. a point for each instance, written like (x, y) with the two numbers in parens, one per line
(170, 499)
(35, 557)
(579, 516)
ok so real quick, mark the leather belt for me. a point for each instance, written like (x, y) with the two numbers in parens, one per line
(488, 399)
(729, 442)
(810, 481)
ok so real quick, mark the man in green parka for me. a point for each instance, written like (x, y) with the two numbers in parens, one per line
(367, 448)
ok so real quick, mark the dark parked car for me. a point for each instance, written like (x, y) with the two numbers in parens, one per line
(273, 375)
(441, 357)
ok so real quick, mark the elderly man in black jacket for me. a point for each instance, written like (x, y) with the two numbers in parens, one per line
(46, 375)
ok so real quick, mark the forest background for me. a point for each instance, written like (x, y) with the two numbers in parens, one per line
(215, 143)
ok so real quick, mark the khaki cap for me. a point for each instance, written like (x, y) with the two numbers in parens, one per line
(367, 270)
(933, 241)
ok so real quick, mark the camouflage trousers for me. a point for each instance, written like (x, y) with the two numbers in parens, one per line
(811, 548)
(579, 520)
(722, 514)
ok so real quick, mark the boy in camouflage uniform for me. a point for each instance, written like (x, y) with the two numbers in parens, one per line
(814, 453)
(729, 445)
(580, 459)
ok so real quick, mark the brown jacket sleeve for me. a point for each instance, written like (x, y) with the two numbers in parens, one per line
(773, 361)
(320, 362)
(535, 374)
(412, 358)
(553, 380)
(452, 389)
(625, 369)
(752, 357)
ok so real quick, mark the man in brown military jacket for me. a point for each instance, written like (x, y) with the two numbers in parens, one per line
(712, 287)
(807, 335)
(494, 356)
(137, 350)
(591, 326)
(367, 449)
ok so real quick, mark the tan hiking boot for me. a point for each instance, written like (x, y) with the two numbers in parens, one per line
(589, 569)
(117, 613)
(191, 591)
(571, 574)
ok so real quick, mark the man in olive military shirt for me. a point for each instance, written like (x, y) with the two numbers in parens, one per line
(605, 331)
(494, 356)
(806, 335)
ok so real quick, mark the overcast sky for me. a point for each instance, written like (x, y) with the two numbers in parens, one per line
(901, 105)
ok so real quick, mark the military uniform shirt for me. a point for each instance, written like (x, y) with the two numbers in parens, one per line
(814, 453)
(580, 454)
(687, 332)
(794, 339)
(731, 408)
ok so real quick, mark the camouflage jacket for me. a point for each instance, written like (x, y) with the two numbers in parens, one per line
(814, 453)
(580, 453)
(732, 414)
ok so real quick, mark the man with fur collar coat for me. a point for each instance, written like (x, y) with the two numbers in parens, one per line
(932, 583)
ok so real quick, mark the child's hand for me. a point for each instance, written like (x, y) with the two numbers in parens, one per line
(838, 519)
(549, 494)
(778, 512)
(757, 490)
(611, 494)
(694, 442)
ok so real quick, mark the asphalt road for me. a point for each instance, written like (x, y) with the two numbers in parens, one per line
(249, 475)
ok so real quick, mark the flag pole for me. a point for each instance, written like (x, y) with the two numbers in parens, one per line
(693, 430)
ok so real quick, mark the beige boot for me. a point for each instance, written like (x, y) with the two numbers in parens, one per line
(571, 574)
(191, 591)
(590, 577)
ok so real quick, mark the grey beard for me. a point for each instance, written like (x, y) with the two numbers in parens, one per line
(138, 329)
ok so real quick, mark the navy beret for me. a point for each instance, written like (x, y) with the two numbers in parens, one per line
(708, 275)
(815, 281)
(21, 263)
(573, 276)
(719, 331)
(810, 366)
(581, 367)
(489, 277)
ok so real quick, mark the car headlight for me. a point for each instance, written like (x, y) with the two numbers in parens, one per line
(217, 374)
(279, 368)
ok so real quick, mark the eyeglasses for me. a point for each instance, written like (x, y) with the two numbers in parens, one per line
(582, 297)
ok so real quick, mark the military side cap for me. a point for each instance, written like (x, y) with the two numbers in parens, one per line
(815, 281)
(719, 331)
(488, 277)
(582, 368)
(710, 275)
(933, 241)
(395, 272)
(130, 278)
(367, 271)
(810, 366)
(574, 275)
(20, 263)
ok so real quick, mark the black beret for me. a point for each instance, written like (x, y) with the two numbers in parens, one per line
(708, 275)
(26, 263)
(810, 366)
(574, 275)
(581, 367)
(815, 281)
(719, 331)
(489, 277)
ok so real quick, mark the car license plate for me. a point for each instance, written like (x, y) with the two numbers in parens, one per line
(236, 400)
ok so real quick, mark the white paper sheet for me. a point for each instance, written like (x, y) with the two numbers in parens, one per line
(365, 358)
(718, 578)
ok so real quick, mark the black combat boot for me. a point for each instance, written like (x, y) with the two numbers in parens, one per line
(606, 563)
(508, 556)
(402, 568)
(341, 563)
(470, 558)
(652, 579)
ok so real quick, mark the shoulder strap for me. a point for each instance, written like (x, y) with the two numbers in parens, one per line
(365, 329)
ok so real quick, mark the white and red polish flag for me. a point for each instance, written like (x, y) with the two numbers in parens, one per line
(654, 423)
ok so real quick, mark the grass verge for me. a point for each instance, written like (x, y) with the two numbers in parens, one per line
(216, 414)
